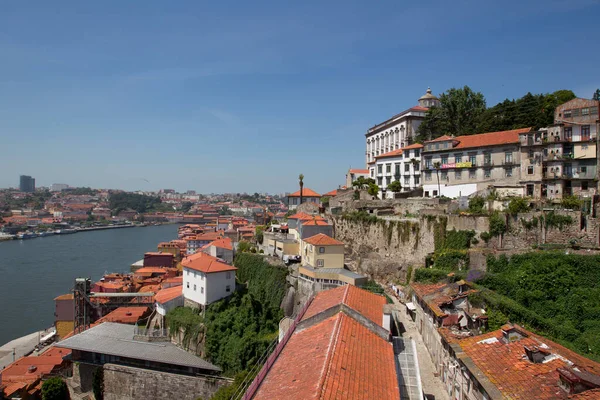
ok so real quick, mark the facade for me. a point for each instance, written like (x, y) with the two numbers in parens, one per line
(561, 160)
(221, 248)
(322, 251)
(206, 279)
(470, 163)
(26, 184)
(313, 226)
(168, 299)
(398, 131)
(353, 174)
(159, 259)
(195, 242)
(402, 165)
(308, 196)
(58, 187)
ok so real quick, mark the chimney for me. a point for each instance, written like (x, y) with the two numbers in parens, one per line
(535, 354)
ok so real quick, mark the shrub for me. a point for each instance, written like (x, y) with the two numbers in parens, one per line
(55, 389)
(476, 204)
(485, 236)
(517, 205)
(376, 288)
(571, 202)
(451, 260)
(186, 320)
(497, 224)
(554, 220)
(429, 275)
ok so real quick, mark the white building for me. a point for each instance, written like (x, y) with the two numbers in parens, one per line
(168, 299)
(58, 187)
(221, 248)
(206, 279)
(398, 131)
(403, 165)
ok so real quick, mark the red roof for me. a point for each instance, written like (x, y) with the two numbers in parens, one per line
(321, 239)
(300, 215)
(206, 263)
(366, 303)
(314, 222)
(337, 358)
(306, 192)
(222, 243)
(125, 315)
(393, 153)
(332, 193)
(484, 139)
(413, 146)
(359, 171)
(169, 294)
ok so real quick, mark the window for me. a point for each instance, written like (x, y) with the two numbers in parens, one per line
(194, 287)
(416, 167)
(228, 288)
(321, 250)
(487, 173)
(568, 132)
(585, 132)
(407, 167)
(188, 285)
(473, 159)
(567, 113)
(188, 272)
(508, 157)
(472, 173)
(458, 157)
(417, 180)
(437, 146)
(407, 154)
(320, 263)
(575, 112)
(508, 172)
(584, 185)
(380, 181)
(379, 168)
(228, 275)
(530, 154)
(406, 181)
(583, 170)
(397, 170)
(388, 168)
(372, 172)
(445, 175)
(584, 147)
(202, 290)
(458, 174)
(585, 111)
(417, 152)
(487, 159)
(530, 170)
(428, 163)
(593, 110)
(427, 176)
(444, 160)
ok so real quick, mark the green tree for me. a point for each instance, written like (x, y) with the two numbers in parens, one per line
(596, 95)
(301, 183)
(362, 183)
(243, 246)
(476, 204)
(518, 205)
(186, 206)
(325, 201)
(497, 224)
(259, 233)
(458, 114)
(373, 190)
(55, 389)
(395, 187)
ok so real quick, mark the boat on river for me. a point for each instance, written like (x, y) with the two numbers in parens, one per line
(26, 235)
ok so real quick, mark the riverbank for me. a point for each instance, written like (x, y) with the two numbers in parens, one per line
(20, 347)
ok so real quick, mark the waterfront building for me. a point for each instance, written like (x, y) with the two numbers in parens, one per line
(64, 320)
(471, 163)
(220, 248)
(398, 131)
(206, 279)
(308, 196)
(401, 165)
(126, 315)
(561, 160)
(195, 242)
(26, 184)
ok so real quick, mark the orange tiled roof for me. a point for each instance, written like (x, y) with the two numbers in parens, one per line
(413, 146)
(124, 315)
(338, 358)
(300, 215)
(393, 153)
(306, 192)
(315, 222)
(169, 294)
(205, 263)
(593, 394)
(224, 243)
(68, 296)
(331, 193)
(359, 171)
(320, 239)
(366, 303)
(506, 365)
(485, 139)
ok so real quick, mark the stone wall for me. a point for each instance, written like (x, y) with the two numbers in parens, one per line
(468, 223)
(128, 383)
(411, 206)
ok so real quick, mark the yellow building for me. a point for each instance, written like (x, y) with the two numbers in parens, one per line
(322, 251)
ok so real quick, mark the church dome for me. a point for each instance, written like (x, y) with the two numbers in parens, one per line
(429, 100)
(428, 95)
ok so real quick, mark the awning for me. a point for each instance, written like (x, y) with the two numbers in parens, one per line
(411, 307)
(48, 336)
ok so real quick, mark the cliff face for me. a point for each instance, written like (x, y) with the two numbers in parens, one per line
(385, 249)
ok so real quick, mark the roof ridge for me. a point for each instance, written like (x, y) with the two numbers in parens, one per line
(335, 334)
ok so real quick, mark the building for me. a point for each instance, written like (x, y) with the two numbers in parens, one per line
(159, 259)
(353, 174)
(308, 196)
(220, 248)
(168, 299)
(470, 163)
(338, 348)
(206, 279)
(64, 319)
(195, 242)
(26, 184)
(398, 131)
(58, 187)
(401, 165)
(561, 160)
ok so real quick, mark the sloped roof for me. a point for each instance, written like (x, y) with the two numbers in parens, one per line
(331, 193)
(306, 192)
(393, 153)
(337, 358)
(320, 239)
(224, 243)
(484, 139)
(168, 294)
(366, 303)
(413, 146)
(205, 263)
(359, 171)
(314, 222)
(124, 315)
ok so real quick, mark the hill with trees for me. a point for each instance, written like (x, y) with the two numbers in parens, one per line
(139, 202)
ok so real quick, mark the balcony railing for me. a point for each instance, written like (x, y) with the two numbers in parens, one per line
(488, 163)
(508, 162)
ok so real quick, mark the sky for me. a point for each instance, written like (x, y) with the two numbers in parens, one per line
(244, 96)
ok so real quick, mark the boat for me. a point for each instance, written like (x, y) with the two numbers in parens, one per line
(46, 233)
(26, 235)
(65, 231)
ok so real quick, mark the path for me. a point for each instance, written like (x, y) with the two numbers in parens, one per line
(21, 346)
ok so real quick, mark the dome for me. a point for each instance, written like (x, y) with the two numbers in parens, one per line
(428, 95)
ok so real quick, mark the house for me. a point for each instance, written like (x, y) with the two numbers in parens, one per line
(159, 259)
(470, 163)
(398, 131)
(168, 299)
(126, 315)
(220, 248)
(313, 226)
(195, 242)
(561, 160)
(322, 251)
(308, 196)
(206, 279)
(64, 320)
(353, 174)
(401, 165)
(339, 347)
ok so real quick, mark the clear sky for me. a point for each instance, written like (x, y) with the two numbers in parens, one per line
(223, 96)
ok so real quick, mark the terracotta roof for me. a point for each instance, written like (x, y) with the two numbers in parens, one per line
(484, 139)
(437, 294)
(168, 294)
(332, 193)
(300, 215)
(314, 222)
(440, 139)
(68, 296)
(206, 263)
(222, 243)
(366, 303)
(124, 315)
(419, 108)
(147, 271)
(338, 358)
(393, 153)
(507, 366)
(175, 279)
(593, 394)
(359, 171)
(306, 192)
(321, 239)
(413, 146)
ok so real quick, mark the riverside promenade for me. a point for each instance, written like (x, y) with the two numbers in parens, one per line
(21, 347)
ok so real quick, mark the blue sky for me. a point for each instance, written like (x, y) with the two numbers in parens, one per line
(243, 96)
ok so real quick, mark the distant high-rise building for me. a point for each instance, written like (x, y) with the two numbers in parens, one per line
(58, 187)
(27, 184)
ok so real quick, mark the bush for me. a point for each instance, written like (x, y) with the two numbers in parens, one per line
(518, 205)
(429, 275)
(376, 288)
(497, 225)
(55, 389)
(485, 236)
(554, 220)
(451, 260)
(458, 240)
(571, 202)
(186, 320)
(359, 216)
(476, 204)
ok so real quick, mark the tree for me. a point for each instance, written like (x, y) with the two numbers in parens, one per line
(55, 389)
(301, 182)
(458, 114)
(361, 182)
(476, 204)
(395, 187)
(243, 246)
(186, 206)
(373, 190)
(325, 201)
(518, 205)
(596, 95)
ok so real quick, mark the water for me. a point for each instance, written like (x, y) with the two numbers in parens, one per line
(33, 272)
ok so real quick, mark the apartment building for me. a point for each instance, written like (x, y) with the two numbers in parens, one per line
(402, 165)
(469, 163)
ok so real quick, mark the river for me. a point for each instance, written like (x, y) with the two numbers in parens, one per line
(33, 272)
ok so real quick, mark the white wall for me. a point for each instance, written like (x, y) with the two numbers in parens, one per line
(208, 287)
(452, 191)
(163, 309)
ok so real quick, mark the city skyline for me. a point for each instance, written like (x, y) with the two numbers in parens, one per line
(222, 99)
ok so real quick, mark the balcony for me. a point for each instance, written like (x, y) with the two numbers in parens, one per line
(508, 163)
(488, 163)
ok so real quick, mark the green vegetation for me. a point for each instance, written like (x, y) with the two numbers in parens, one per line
(571, 202)
(186, 206)
(98, 383)
(325, 201)
(395, 187)
(138, 202)
(558, 221)
(81, 191)
(227, 392)
(556, 294)
(497, 225)
(35, 200)
(259, 233)
(373, 190)
(55, 389)
(376, 288)
(186, 320)
(363, 183)
(518, 205)
(476, 205)
(360, 216)
(244, 246)
(429, 275)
